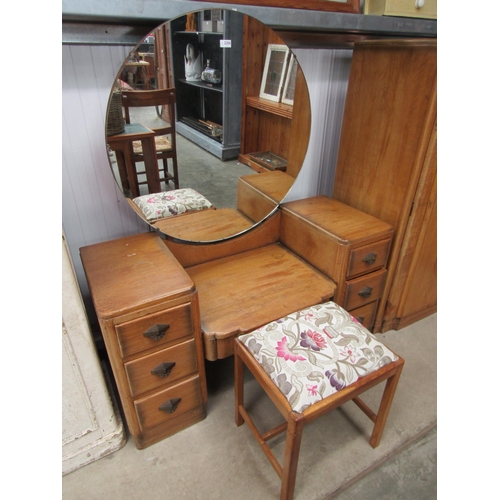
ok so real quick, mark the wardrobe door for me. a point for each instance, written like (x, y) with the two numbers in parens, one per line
(413, 291)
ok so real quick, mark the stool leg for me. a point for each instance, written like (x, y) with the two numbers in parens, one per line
(238, 384)
(292, 448)
(385, 406)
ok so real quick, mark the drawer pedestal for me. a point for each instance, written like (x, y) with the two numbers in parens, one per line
(347, 245)
(149, 315)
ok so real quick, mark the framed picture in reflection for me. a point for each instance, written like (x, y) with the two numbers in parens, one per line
(274, 74)
(291, 76)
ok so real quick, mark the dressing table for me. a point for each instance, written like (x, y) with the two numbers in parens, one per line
(164, 306)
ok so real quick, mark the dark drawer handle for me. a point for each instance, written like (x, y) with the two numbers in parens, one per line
(156, 332)
(370, 258)
(163, 370)
(365, 292)
(170, 406)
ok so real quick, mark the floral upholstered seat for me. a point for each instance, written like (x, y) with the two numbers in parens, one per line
(169, 203)
(316, 352)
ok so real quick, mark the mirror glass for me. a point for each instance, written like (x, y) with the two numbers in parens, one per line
(207, 155)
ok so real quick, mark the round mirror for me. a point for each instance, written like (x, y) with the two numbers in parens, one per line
(207, 125)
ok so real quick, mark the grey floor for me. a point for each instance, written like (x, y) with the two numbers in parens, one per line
(215, 459)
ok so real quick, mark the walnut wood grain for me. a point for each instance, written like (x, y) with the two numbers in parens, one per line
(335, 238)
(139, 371)
(206, 225)
(259, 195)
(242, 292)
(192, 254)
(136, 283)
(116, 290)
(387, 162)
(268, 126)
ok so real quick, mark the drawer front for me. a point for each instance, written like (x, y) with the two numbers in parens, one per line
(155, 330)
(368, 258)
(406, 8)
(161, 368)
(365, 314)
(174, 400)
(363, 290)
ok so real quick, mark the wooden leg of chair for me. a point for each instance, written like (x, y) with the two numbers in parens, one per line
(165, 171)
(122, 170)
(238, 385)
(176, 173)
(131, 170)
(385, 406)
(292, 450)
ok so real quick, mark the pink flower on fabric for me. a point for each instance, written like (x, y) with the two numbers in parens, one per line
(151, 200)
(349, 352)
(309, 315)
(284, 353)
(312, 389)
(312, 339)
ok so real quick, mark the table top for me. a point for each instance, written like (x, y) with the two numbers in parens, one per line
(131, 273)
(205, 225)
(242, 292)
(132, 132)
(337, 220)
(274, 184)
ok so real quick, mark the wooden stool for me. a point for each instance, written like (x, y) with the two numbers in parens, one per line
(309, 363)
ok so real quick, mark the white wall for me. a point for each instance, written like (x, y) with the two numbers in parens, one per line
(94, 209)
(327, 74)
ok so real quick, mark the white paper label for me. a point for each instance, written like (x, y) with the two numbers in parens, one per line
(225, 44)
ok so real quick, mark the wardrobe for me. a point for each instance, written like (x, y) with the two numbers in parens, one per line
(387, 166)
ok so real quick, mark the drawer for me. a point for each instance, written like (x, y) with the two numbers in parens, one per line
(363, 290)
(161, 368)
(175, 400)
(155, 330)
(365, 314)
(407, 8)
(368, 258)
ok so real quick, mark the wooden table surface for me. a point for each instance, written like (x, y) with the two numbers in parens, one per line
(247, 290)
(205, 225)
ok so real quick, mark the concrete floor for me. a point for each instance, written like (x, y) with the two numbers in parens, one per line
(214, 459)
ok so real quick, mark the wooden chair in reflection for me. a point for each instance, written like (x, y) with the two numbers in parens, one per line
(165, 140)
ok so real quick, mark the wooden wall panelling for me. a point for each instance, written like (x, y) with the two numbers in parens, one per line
(266, 125)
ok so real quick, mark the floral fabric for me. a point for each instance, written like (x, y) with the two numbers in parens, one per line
(316, 352)
(168, 203)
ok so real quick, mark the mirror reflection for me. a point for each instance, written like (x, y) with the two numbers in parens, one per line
(196, 147)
